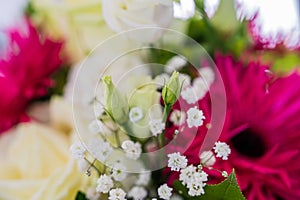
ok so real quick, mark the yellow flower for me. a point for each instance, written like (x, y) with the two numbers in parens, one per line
(36, 164)
(79, 23)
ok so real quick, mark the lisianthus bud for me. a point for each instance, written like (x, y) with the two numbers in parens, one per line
(171, 90)
(115, 103)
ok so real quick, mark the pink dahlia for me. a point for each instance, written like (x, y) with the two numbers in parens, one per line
(262, 127)
(25, 72)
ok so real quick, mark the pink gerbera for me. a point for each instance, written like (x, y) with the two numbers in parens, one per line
(262, 127)
(24, 72)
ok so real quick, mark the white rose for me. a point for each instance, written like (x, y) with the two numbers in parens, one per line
(36, 164)
(122, 15)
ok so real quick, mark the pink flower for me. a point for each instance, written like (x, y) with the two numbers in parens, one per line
(25, 72)
(279, 39)
(262, 127)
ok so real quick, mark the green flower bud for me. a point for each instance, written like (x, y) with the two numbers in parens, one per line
(171, 91)
(116, 103)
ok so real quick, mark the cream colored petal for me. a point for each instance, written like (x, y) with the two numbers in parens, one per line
(63, 184)
(61, 114)
(37, 150)
(18, 189)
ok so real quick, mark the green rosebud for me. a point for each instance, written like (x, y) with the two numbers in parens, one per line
(171, 91)
(116, 103)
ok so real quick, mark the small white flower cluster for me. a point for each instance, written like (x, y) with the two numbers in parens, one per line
(156, 126)
(207, 158)
(118, 172)
(135, 114)
(137, 193)
(105, 183)
(100, 149)
(194, 180)
(132, 149)
(77, 150)
(82, 165)
(175, 64)
(164, 192)
(143, 178)
(117, 194)
(161, 80)
(96, 126)
(177, 117)
(176, 161)
(189, 95)
(193, 93)
(222, 150)
(185, 80)
(195, 117)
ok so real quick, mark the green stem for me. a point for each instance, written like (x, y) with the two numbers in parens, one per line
(167, 110)
(117, 138)
(92, 165)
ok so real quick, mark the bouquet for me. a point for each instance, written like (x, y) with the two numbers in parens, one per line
(148, 100)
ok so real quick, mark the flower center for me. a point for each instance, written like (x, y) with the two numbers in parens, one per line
(249, 143)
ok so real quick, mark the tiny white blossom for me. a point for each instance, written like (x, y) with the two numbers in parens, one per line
(119, 172)
(207, 158)
(185, 80)
(186, 174)
(77, 150)
(195, 117)
(144, 178)
(164, 192)
(98, 109)
(156, 126)
(105, 183)
(200, 87)
(208, 75)
(135, 114)
(175, 64)
(132, 150)
(189, 95)
(176, 161)
(161, 80)
(92, 194)
(117, 194)
(200, 177)
(222, 150)
(82, 165)
(100, 149)
(96, 126)
(137, 193)
(177, 117)
(196, 189)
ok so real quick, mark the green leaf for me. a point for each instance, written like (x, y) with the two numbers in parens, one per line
(80, 196)
(225, 18)
(226, 190)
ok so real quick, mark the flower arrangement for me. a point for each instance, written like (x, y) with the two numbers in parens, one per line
(152, 99)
